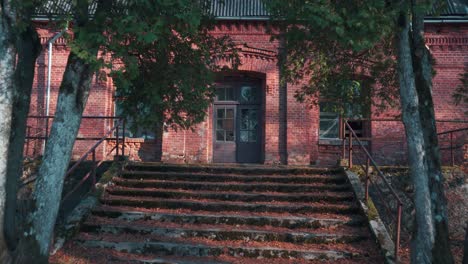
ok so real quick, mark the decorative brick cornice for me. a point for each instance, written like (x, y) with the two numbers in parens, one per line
(252, 52)
(446, 41)
(59, 42)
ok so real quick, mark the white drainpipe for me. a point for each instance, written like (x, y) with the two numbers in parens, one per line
(49, 67)
(49, 73)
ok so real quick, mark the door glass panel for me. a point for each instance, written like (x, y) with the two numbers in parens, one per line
(253, 136)
(244, 136)
(249, 124)
(220, 94)
(229, 124)
(230, 136)
(248, 94)
(229, 113)
(220, 113)
(225, 124)
(219, 124)
(225, 93)
(220, 135)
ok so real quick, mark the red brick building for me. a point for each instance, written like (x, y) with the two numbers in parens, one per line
(254, 119)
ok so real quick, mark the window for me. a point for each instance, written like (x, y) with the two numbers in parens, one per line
(129, 133)
(225, 93)
(225, 124)
(330, 120)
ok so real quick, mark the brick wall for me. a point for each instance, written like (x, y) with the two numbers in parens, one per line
(290, 128)
(258, 58)
(99, 102)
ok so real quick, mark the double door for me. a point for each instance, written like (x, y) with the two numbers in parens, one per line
(237, 129)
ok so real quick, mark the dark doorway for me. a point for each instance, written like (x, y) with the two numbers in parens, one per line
(237, 120)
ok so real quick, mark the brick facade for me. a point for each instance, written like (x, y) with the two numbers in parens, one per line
(290, 129)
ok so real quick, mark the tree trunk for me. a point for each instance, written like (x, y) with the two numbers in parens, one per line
(7, 70)
(423, 237)
(423, 72)
(28, 46)
(72, 99)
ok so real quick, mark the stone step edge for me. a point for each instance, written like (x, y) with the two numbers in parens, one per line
(225, 206)
(286, 222)
(225, 234)
(318, 177)
(226, 195)
(179, 249)
(160, 260)
(252, 170)
(146, 182)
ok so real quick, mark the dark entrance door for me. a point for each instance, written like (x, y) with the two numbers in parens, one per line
(248, 143)
(237, 122)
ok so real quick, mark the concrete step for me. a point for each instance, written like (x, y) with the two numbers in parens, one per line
(206, 177)
(329, 197)
(225, 218)
(202, 205)
(247, 169)
(223, 233)
(201, 250)
(232, 186)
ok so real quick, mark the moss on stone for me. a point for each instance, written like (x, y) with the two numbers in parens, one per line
(372, 212)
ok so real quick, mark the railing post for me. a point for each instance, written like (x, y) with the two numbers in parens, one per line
(93, 172)
(123, 138)
(343, 142)
(398, 231)
(343, 150)
(117, 141)
(350, 150)
(28, 141)
(367, 179)
(452, 158)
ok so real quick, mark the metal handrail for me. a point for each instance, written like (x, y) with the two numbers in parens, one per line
(450, 148)
(451, 132)
(371, 161)
(92, 151)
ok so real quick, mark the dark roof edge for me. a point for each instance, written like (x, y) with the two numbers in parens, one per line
(243, 18)
(446, 19)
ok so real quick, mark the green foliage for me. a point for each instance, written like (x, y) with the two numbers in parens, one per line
(333, 45)
(164, 61)
(461, 92)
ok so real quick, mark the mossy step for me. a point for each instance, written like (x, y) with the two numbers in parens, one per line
(236, 196)
(204, 177)
(231, 168)
(227, 206)
(232, 186)
(198, 250)
(225, 234)
(134, 259)
(229, 219)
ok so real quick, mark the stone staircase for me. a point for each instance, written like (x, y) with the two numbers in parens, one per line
(214, 214)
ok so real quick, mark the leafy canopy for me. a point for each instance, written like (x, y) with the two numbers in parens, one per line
(164, 60)
(332, 47)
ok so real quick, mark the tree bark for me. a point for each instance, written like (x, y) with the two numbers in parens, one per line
(7, 70)
(73, 95)
(29, 47)
(72, 98)
(423, 73)
(423, 237)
